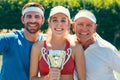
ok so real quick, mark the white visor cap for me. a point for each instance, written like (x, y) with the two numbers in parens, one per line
(86, 14)
(35, 9)
(60, 9)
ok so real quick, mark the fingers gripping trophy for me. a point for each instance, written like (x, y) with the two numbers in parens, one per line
(56, 58)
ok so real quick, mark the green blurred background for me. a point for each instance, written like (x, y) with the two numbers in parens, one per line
(107, 13)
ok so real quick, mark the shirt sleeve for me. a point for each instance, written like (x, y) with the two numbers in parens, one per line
(5, 41)
(41, 37)
(114, 59)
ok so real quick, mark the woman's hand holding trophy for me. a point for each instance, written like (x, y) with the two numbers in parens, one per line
(55, 60)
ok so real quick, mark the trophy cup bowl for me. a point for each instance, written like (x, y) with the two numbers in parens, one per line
(56, 58)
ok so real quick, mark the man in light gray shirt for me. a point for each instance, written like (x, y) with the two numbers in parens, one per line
(102, 58)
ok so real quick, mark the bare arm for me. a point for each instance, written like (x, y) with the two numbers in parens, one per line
(80, 62)
(34, 60)
(54, 73)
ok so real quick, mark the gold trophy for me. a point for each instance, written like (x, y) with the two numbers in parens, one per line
(56, 58)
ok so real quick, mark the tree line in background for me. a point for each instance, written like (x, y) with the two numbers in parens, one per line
(107, 13)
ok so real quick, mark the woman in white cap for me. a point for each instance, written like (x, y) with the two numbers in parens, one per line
(56, 57)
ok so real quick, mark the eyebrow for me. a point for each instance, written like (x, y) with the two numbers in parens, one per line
(56, 17)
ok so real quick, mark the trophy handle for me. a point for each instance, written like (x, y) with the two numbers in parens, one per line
(44, 53)
(68, 54)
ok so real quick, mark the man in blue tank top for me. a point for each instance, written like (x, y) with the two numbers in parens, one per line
(16, 46)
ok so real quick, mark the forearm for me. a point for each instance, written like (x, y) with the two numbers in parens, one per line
(40, 78)
(82, 78)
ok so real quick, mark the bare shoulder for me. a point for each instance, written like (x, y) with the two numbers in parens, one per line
(76, 45)
(36, 49)
(77, 49)
(73, 41)
(38, 44)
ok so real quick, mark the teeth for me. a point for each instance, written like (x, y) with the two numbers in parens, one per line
(84, 33)
(32, 24)
(58, 29)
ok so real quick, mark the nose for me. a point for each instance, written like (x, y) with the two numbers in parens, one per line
(32, 19)
(59, 24)
(84, 28)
